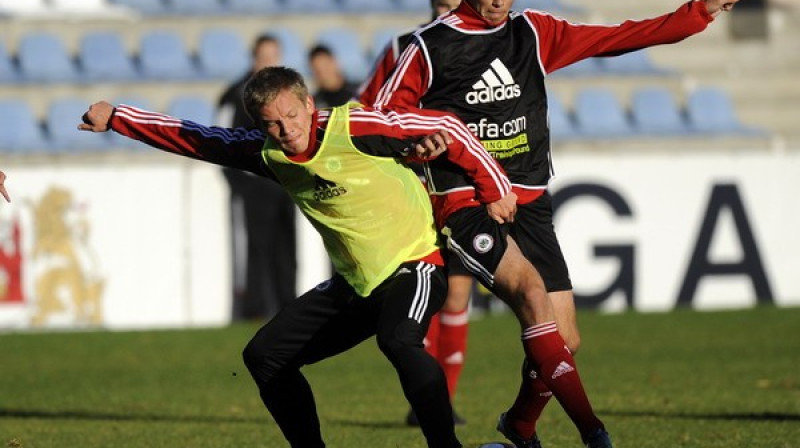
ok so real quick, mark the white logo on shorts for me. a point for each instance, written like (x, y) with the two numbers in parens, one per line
(483, 243)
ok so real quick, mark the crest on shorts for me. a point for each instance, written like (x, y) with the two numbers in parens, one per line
(483, 243)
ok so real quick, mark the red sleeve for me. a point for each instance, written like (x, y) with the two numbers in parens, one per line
(409, 81)
(368, 92)
(466, 151)
(236, 148)
(563, 43)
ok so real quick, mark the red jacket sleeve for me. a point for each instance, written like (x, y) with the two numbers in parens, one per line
(409, 81)
(488, 177)
(236, 148)
(368, 92)
(563, 43)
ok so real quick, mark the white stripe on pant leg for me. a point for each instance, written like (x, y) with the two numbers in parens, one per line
(426, 292)
(414, 302)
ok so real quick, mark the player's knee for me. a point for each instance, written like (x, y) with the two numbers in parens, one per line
(572, 341)
(259, 363)
(404, 336)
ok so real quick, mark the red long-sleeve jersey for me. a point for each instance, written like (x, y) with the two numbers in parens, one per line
(378, 133)
(492, 76)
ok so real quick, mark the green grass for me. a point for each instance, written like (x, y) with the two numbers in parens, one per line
(683, 379)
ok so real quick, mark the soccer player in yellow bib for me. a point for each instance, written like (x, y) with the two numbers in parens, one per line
(344, 169)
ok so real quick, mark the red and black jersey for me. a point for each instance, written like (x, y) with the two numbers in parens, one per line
(379, 133)
(492, 76)
(387, 61)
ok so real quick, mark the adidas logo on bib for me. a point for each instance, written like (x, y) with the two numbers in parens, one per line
(496, 84)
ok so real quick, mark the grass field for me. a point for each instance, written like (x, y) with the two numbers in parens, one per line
(683, 379)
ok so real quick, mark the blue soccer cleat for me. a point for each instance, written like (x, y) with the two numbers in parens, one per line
(599, 439)
(515, 438)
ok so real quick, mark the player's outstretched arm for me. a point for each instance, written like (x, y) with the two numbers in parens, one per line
(97, 118)
(715, 7)
(3, 187)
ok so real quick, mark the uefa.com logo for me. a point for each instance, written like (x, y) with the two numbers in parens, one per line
(496, 84)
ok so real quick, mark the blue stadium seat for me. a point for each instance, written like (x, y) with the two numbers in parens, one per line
(367, 6)
(554, 6)
(163, 56)
(380, 38)
(63, 115)
(149, 7)
(311, 6)
(196, 7)
(414, 6)
(222, 54)
(598, 113)
(711, 111)
(655, 112)
(295, 53)
(103, 57)
(255, 6)
(192, 108)
(44, 58)
(20, 130)
(346, 47)
(584, 67)
(561, 125)
(8, 72)
(633, 63)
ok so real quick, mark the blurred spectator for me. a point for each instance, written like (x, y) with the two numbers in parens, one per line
(262, 214)
(332, 87)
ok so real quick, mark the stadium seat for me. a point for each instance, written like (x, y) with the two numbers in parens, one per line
(222, 54)
(584, 67)
(346, 47)
(380, 38)
(598, 113)
(295, 53)
(8, 72)
(633, 63)
(367, 6)
(103, 57)
(655, 112)
(553, 6)
(163, 56)
(195, 7)
(255, 6)
(414, 6)
(20, 130)
(561, 126)
(309, 6)
(711, 111)
(192, 108)
(61, 119)
(44, 58)
(149, 7)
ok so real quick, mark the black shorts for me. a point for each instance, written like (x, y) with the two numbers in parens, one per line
(535, 235)
(332, 318)
(477, 241)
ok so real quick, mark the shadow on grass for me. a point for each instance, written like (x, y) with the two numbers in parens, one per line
(364, 424)
(743, 416)
(102, 416)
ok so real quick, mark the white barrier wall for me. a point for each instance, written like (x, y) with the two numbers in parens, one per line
(709, 229)
(144, 241)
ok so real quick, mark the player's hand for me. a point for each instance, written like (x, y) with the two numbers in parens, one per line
(715, 7)
(97, 118)
(503, 210)
(3, 188)
(433, 145)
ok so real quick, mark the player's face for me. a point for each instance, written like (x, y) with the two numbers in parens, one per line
(442, 6)
(287, 120)
(494, 11)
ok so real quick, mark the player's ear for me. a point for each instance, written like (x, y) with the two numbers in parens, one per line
(310, 104)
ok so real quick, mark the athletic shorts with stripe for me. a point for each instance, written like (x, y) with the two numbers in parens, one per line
(535, 235)
(332, 318)
(477, 241)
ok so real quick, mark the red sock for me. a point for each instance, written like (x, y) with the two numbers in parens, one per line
(431, 340)
(555, 365)
(532, 398)
(452, 346)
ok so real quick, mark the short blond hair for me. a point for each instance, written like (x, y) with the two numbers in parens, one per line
(264, 86)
